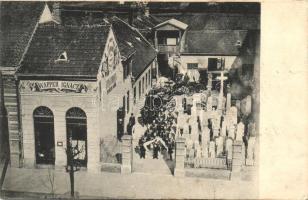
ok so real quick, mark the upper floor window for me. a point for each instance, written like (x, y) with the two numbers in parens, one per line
(192, 65)
(212, 64)
(168, 37)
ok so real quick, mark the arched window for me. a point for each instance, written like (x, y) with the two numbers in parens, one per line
(44, 135)
(76, 125)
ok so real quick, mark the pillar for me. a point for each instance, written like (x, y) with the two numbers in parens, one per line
(179, 157)
(228, 101)
(10, 98)
(237, 159)
(126, 166)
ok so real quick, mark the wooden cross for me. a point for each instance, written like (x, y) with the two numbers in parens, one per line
(222, 78)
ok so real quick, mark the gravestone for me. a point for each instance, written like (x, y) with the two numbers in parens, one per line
(229, 150)
(198, 152)
(223, 131)
(240, 131)
(209, 103)
(219, 145)
(179, 157)
(246, 105)
(233, 114)
(231, 132)
(228, 106)
(212, 152)
(209, 82)
(238, 104)
(252, 129)
(205, 137)
(126, 166)
(205, 151)
(251, 151)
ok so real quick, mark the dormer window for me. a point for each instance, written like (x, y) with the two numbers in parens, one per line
(62, 57)
(238, 43)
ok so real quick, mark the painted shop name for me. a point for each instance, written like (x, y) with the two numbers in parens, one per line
(60, 86)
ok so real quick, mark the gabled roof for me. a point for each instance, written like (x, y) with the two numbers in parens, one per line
(214, 42)
(17, 23)
(173, 22)
(218, 21)
(129, 37)
(84, 47)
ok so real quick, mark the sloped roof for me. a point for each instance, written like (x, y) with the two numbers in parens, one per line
(17, 23)
(173, 22)
(84, 46)
(127, 35)
(217, 21)
(213, 42)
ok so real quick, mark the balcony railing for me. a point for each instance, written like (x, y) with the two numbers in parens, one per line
(168, 48)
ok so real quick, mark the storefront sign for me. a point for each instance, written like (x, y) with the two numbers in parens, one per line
(54, 86)
(111, 83)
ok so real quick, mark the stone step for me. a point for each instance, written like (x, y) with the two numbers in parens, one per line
(10, 95)
(237, 156)
(208, 173)
(237, 148)
(237, 162)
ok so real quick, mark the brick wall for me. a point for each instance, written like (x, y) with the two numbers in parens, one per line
(11, 106)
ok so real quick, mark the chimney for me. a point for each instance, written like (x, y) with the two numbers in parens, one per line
(56, 13)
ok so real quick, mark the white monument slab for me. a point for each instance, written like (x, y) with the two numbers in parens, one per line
(240, 131)
(212, 153)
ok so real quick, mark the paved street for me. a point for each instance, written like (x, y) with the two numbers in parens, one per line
(136, 185)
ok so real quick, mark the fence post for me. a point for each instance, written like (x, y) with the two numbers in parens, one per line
(237, 159)
(179, 157)
(126, 166)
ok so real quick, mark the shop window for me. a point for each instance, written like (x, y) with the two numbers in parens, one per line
(146, 80)
(127, 101)
(139, 89)
(100, 90)
(76, 127)
(142, 85)
(44, 135)
(135, 95)
(212, 64)
(124, 105)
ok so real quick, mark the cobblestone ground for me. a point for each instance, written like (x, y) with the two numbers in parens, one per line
(136, 185)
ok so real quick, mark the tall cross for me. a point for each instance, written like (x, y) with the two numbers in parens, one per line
(222, 78)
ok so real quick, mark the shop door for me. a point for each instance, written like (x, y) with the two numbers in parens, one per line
(76, 123)
(44, 136)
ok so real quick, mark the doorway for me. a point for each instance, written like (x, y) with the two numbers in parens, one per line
(44, 136)
(76, 125)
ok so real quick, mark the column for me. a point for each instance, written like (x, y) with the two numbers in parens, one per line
(179, 157)
(126, 166)
(228, 101)
(237, 159)
(11, 104)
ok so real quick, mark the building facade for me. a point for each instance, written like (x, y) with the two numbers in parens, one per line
(71, 88)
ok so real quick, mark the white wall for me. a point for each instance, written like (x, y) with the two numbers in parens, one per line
(59, 103)
(203, 61)
(147, 86)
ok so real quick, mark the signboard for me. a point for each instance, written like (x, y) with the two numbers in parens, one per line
(55, 86)
(111, 82)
